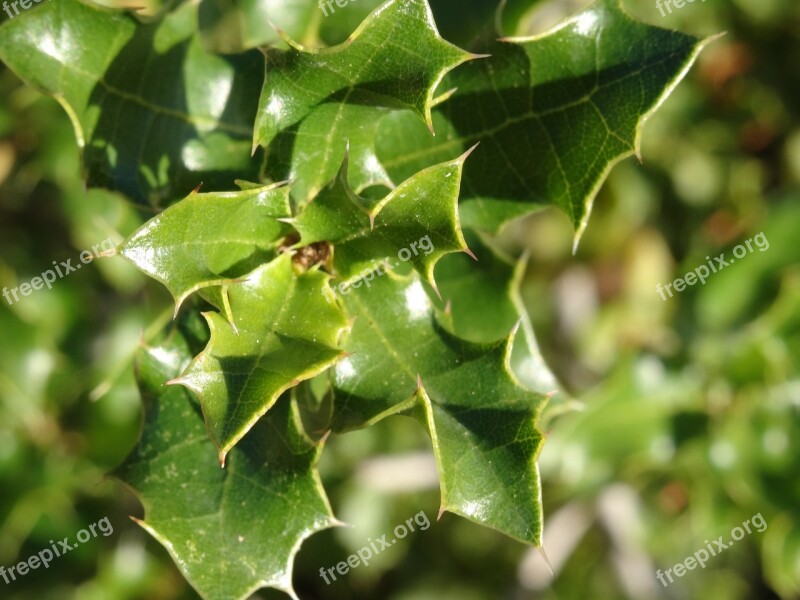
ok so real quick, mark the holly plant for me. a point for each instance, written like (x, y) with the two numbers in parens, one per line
(327, 199)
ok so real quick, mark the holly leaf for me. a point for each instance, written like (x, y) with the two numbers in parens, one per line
(484, 304)
(286, 331)
(210, 239)
(315, 101)
(416, 222)
(230, 531)
(553, 113)
(480, 418)
(154, 113)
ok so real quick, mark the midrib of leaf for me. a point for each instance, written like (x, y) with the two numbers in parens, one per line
(427, 406)
(385, 342)
(332, 131)
(337, 121)
(363, 310)
(490, 132)
(606, 65)
(256, 364)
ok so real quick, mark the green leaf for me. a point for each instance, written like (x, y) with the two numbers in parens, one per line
(422, 209)
(154, 113)
(315, 101)
(484, 304)
(286, 330)
(553, 113)
(210, 239)
(480, 418)
(233, 530)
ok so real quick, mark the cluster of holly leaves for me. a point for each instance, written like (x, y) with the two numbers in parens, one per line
(326, 161)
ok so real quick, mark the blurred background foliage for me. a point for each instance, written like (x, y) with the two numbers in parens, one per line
(685, 413)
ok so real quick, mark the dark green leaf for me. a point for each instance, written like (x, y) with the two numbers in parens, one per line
(553, 113)
(417, 222)
(230, 531)
(154, 113)
(480, 418)
(285, 329)
(315, 101)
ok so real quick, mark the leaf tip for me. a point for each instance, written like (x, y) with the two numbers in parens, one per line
(515, 329)
(432, 283)
(577, 239)
(324, 437)
(470, 150)
(285, 36)
(543, 554)
(443, 97)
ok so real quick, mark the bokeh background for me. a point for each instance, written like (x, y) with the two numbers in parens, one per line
(680, 419)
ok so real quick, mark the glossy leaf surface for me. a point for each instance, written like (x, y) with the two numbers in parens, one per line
(417, 222)
(316, 101)
(286, 330)
(553, 113)
(154, 113)
(210, 239)
(233, 530)
(480, 418)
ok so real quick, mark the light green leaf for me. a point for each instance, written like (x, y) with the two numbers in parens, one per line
(286, 331)
(315, 101)
(210, 239)
(416, 222)
(480, 418)
(154, 113)
(553, 113)
(230, 531)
